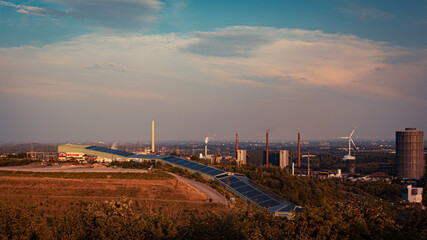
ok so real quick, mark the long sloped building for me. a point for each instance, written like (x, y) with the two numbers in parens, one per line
(238, 184)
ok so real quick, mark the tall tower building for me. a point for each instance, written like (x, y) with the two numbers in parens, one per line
(410, 161)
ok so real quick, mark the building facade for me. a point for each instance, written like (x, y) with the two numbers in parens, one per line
(280, 158)
(410, 162)
(412, 194)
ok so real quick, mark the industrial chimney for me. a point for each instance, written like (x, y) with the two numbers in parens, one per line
(237, 144)
(299, 150)
(152, 137)
(206, 147)
(266, 135)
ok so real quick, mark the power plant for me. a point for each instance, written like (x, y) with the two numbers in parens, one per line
(410, 162)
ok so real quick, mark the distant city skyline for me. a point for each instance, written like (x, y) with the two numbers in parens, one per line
(104, 69)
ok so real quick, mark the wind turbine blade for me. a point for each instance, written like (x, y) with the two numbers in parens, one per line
(351, 134)
(343, 137)
(353, 143)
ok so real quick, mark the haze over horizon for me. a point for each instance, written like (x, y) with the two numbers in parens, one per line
(103, 69)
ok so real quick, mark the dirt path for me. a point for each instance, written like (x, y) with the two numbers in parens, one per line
(203, 188)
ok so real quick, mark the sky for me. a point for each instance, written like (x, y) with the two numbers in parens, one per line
(101, 70)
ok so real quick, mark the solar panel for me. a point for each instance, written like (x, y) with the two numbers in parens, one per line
(237, 184)
(180, 161)
(231, 180)
(173, 159)
(261, 198)
(245, 189)
(108, 150)
(207, 170)
(188, 164)
(210, 171)
(242, 178)
(253, 194)
(216, 172)
(198, 167)
(269, 203)
(224, 180)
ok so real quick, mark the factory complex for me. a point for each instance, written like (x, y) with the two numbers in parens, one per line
(238, 184)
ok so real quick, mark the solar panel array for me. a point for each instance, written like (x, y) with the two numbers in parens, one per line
(243, 187)
(108, 150)
(193, 165)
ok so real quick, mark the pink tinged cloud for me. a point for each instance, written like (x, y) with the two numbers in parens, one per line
(285, 60)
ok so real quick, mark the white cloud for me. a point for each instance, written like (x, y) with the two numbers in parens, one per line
(366, 13)
(116, 14)
(30, 10)
(283, 79)
(110, 66)
(285, 60)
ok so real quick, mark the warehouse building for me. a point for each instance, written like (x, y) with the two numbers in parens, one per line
(101, 154)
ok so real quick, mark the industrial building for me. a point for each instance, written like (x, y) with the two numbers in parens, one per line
(100, 154)
(410, 162)
(238, 184)
(281, 158)
(412, 194)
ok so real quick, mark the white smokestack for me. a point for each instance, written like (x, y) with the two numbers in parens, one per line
(293, 168)
(206, 147)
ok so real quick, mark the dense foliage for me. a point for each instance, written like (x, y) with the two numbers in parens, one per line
(124, 219)
(16, 162)
(306, 191)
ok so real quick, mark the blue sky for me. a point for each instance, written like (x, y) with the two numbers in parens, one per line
(103, 69)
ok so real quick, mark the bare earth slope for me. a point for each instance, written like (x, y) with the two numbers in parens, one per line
(55, 194)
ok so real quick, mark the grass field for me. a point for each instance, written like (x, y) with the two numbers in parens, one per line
(56, 193)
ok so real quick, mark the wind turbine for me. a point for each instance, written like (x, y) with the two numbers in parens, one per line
(350, 141)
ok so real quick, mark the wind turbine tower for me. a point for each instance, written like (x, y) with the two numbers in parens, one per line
(351, 160)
